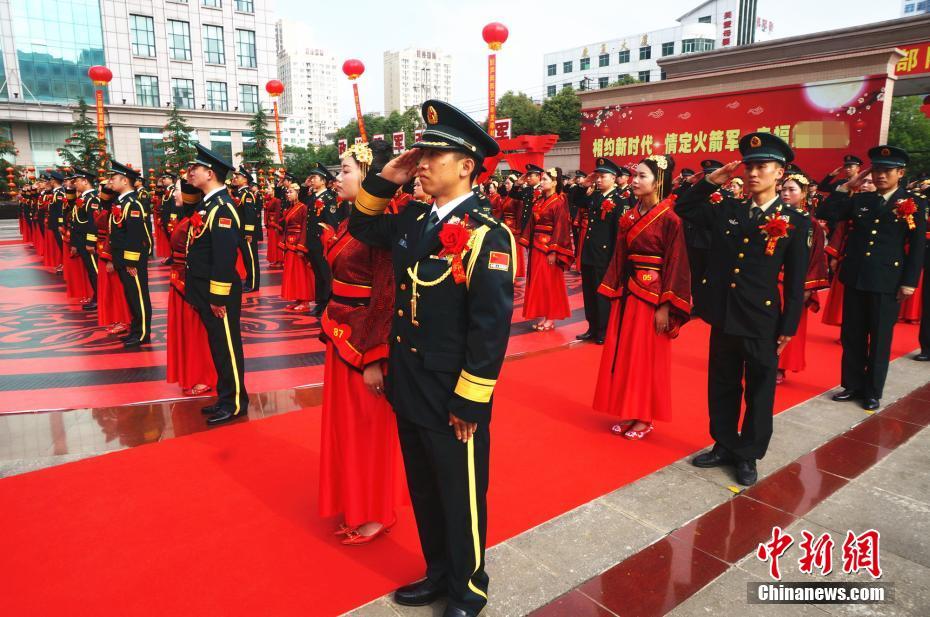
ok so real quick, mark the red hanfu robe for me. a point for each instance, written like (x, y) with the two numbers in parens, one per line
(836, 248)
(510, 212)
(547, 231)
(359, 460)
(792, 357)
(297, 281)
(649, 267)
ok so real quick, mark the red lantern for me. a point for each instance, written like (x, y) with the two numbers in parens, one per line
(100, 75)
(353, 68)
(274, 87)
(495, 35)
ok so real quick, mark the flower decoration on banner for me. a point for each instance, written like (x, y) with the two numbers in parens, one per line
(455, 238)
(607, 206)
(716, 197)
(904, 210)
(774, 229)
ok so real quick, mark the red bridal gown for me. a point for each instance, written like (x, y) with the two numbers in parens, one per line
(297, 281)
(273, 252)
(359, 462)
(510, 211)
(792, 357)
(548, 231)
(634, 381)
(836, 248)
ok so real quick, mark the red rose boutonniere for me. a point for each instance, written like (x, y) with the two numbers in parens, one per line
(454, 237)
(904, 210)
(117, 211)
(318, 204)
(625, 194)
(774, 229)
(607, 206)
(716, 197)
(79, 202)
(196, 223)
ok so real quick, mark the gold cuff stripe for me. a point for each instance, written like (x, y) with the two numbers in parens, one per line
(481, 381)
(91, 238)
(366, 203)
(249, 228)
(220, 289)
(131, 255)
(472, 391)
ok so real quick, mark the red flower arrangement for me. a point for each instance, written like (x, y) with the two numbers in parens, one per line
(716, 197)
(607, 206)
(319, 205)
(79, 202)
(774, 230)
(625, 194)
(454, 238)
(196, 223)
(904, 210)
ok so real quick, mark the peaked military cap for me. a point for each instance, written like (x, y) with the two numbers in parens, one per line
(624, 171)
(580, 174)
(889, 156)
(124, 170)
(710, 165)
(851, 159)
(765, 147)
(320, 170)
(168, 174)
(606, 166)
(56, 175)
(449, 128)
(245, 173)
(686, 172)
(78, 172)
(210, 159)
(534, 169)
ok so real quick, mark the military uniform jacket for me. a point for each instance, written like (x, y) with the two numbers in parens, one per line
(882, 251)
(213, 246)
(322, 211)
(449, 333)
(248, 212)
(130, 239)
(259, 198)
(56, 210)
(741, 280)
(604, 210)
(83, 223)
(170, 213)
(698, 237)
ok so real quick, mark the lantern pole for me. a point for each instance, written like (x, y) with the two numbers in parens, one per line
(494, 34)
(353, 69)
(101, 76)
(275, 88)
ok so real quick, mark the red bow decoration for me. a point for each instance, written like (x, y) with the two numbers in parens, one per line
(117, 211)
(904, 210)
(454, 238)
(319, 205)
(196, 222)
(774, 230)
(79, 202)
(607, 206)
(716, 197)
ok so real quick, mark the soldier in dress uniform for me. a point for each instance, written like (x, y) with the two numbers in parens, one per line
(453, 307)
(527, 191)
(883, 258)
(250, 219)
(212, 285)
(56, 214)
(84, 227)
(852, 165)
(322, 211)
(130, 243)
(697, 239)
(604, 206)
(170, 211)
(752, 241)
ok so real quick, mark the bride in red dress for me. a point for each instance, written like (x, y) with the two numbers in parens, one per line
(297, 280)
(548, 238)
(358, 454)
(273, 225)
(649, 284)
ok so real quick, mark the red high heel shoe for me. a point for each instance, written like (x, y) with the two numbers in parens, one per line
(354, 538)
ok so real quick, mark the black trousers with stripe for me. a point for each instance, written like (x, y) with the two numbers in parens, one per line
(868, 324)
(250, 261)
(596, 306)
(322, 275)
(136, 291)
(448, 484)
(225, 339)
(90, 266)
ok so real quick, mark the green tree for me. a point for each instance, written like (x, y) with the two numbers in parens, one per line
(524, 114)
(910, 129)
(561, 115)
(625, 80)
(395, 122)
(83, 148)
(257, 153)
(300, 160)
(177, 145)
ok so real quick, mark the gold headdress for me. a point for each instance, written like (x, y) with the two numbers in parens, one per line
(662, 163)
(801, 179)
(361, 152)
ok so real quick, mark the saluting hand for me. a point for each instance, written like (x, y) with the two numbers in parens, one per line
(402, 169)
(783, 341)
(856, 181)
(463, 430)
(724, 174)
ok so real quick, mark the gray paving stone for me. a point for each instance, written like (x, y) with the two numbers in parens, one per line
(26, 465)
(378, 608)
(826, 415)
(906, 471)
(518, 583)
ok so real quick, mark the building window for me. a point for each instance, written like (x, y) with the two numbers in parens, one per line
(643, 76)
(217, 4)
(147, 91)
(908, 8)
(248, 98)
(213, 44)
(182, 93)
(663, 76)
(668, 49)
(624, 56)
(45, 140)
(550, 70)
(704, 20)
(179, 39)
(550, 90)
(696, 45)
(567, 67)
(584, 64)
(149, 140)
(645, 52)
(567, 85)
(245, 49)
(142, 31)
(221, 144)
(217, 99)
(602, 82)
(603, 60)
(245, 6)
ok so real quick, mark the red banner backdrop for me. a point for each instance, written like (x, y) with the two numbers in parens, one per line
(916, 60)
(822, 122)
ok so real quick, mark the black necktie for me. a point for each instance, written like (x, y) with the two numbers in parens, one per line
(431, 223)
(755, 213)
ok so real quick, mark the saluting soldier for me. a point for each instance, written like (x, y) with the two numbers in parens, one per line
(883, 258)
(171, 211)
(84, 226)
(130, 243)
(322, 211)
(453, 307)
(212, 285)
(251, 221)
(604, 208)
(851, 167)
(752, 241)
(528, 191)
(697, 239)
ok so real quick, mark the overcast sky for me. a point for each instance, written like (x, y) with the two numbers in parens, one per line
(364, 29)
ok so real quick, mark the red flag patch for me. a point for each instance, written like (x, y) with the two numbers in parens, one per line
(227, 223)
(135, 213)
(498, 261)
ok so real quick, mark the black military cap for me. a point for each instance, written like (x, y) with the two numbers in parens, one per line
(210, 159)
(77, 172)
(289, 177)
(124, 170)
(56, 175)
(168, 174)
(320, 170)
(889, 156)
(245, 173)
(851, 159)
(686, 172)
(534, 169)
(606, 166)
(709, 166)
(449, 128)
(624, 171)
(580, 174)
(765, 147)
(190, 194)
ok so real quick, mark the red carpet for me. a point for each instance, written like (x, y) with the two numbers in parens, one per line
(224, 523)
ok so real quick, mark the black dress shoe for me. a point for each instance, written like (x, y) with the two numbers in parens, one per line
(316, 312)
(871, 404)
(247, 290)
(132, 342)
(845, 395)
(585, 336)
(90, 306)
(420, 593)
(599, 340)
(455, 611)
(922, 357)
(715, 457)
(209, 410)
(746, 473)
(224, 416)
